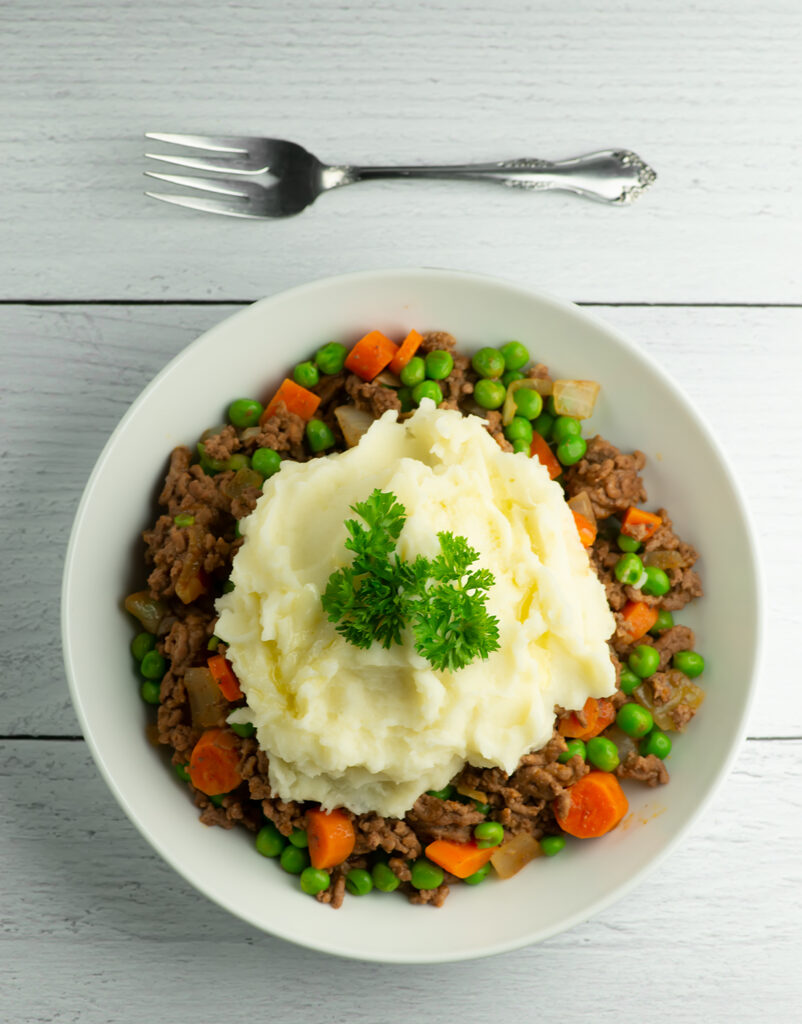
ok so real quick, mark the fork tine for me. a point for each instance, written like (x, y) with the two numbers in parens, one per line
(214, 143)
(226, 207)
(223, 188)
(209, 163)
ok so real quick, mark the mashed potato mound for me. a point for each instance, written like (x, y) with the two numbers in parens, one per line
(373, 729)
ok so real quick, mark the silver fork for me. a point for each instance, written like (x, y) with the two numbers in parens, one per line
(616, 176)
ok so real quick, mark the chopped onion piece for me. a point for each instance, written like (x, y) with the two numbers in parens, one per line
(147, 609)
(663, 559)
(685, 692)
(205, 700)
(249, 433)
(388, 379)
(474, 794)
(514, 855)
(242, 480)
(543, 385)
(510, 408)
(353, 422)
(575, 397)
(582, 504)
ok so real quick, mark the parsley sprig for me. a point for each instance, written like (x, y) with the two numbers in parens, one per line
(380, 594)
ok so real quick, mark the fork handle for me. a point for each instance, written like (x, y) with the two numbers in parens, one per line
(609, 176)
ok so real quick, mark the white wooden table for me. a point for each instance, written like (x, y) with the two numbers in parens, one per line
(99, 287)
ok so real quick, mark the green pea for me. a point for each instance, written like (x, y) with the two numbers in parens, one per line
(426, 875)
(306, 374)
(209, 465)
(237, 530)
(184, 519)
(628, 569)
(243, 729)
(414, 372)
(520, 445)
(266, 461)
(427, 389)
(603, 754)
(150, 691)
(570, 451)
(214, 643)
(664, 621)
(239, 460)
(217, 799)
(245, 412)
(439, 364)
(515, 355)
(481, 808)
(181, 772)
(405, 398)
(314, 880)
(488, 833)
(519, 429)
(478, 876)
(228, 587)
(142, 644)
(319, 435)
(573, 748)
(442, 794)
(544, 425)
(528, 402)
(294, 860)
(509, 376)
(299, 838)
(384, 878)
(689, 662)
(330, 358)
(359, 882)
(657, 582)
(634, 720)
(551, 845)
(552, 408)
(629, 681)
(489, 394)
(489, 362)
(565, 427)
(153, 665)
(656, 743)
(627, 543)
(644, 661)
(269, 841)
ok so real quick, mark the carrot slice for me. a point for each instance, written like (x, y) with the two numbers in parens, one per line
(585, 528)
(540, 449)
(639, 524)
(297, 399)
(213, 762)
(370, 355)
(406, 350)
(638, 620)
(599, 713)
(460, 859)
(331, 837)
(597, 805)
(224, 677)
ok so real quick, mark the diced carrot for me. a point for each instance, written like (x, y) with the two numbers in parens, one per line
(599, 713)
(541, 450)
(297, 399)
(370, 355)
(213, 763)
(406, 350)
(638, 620)
(224, 677)
(585, 528)
(597, 804)
(331, 837)
(639, 524)
(460, 859)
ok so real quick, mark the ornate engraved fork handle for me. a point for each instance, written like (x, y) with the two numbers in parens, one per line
(609, 176)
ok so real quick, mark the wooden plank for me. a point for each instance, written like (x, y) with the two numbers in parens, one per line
(708, 96)
(72, 371)
(96, 928)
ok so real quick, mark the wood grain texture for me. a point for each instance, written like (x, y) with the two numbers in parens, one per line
(72, 371)
(103, 931)
(709, 96)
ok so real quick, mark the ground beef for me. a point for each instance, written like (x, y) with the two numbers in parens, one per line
(678, 638)
(434, 340)
(284, 432)
(459, 384)
(496, 431)
(649, 769)
(611, 480)
(223, 445)
(370, 397)
(681, 715)
(432, 818)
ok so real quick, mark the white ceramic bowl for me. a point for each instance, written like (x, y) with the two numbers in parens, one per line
(246, 355)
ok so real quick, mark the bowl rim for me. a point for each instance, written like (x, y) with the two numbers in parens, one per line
(751, 554)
